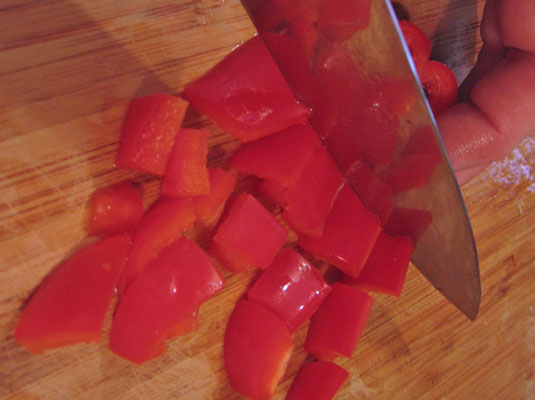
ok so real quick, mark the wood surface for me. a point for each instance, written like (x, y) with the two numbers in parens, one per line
(67, 71)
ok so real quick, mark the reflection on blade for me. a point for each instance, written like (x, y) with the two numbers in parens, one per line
(371, 113)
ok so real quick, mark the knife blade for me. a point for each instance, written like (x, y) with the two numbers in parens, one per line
(351, 66)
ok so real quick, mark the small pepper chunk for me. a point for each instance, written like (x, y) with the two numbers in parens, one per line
(115, 209)
(340, 19)
(208, 208)
(291, 288)
(410, 222)
(149, 132)
(249, 237)
(186, 173)
(71, 303)
(163, 301)
(336, 327)
(256, 350)
(318, 380)
(350, 233)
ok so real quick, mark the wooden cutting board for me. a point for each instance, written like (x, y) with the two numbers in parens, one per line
(67, 72)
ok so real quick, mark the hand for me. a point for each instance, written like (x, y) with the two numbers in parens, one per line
(497, 108)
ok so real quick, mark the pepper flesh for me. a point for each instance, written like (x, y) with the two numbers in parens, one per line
(318, 380)
(208, 208)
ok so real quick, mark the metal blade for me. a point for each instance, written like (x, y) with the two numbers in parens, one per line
(446, 253)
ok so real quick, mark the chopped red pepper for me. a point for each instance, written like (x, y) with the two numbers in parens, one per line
(249, 237)
(246, 94)
(280, 157)
(336, 327)
(386, 267)
(350, 233)
(163, 223)
(311, 198)
(71, 303)
(318, 380)
(408, 222)
(256, 350)
(163, 301)
(417, 41)
(440, 85)
(208, 208)
(291, 288)
(340, 19)
(186, 173)
(115, 209)
(273, 191)
(149, 132)
(409, 172)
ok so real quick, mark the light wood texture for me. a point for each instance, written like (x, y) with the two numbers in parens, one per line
(67, 71)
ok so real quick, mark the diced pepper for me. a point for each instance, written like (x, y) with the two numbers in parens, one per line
(149, 132)
(71, 303)
(163, 300)
(440, 85)
(186, 173)
(246, 94)
(340, 19)
(249, 236)
(256, 350)
(208, 208)
(417, 41)
(350, 233)
(163, 223)
(408, 222)
(115, 209)
(336, 327)
(272, 191)
(311, 198)
(386, 267)
(318, 380)
(409, 172)
(291, 288)
(280, 157)
(396, 95)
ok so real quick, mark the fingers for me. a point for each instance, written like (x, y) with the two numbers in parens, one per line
(516, 20)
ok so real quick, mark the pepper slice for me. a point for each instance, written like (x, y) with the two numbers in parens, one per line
(318, 380)
(71, 303)
(440, 85)
(208, 208)
(162, 302)
(149, 132)
(291, 288)
(410, 222)
(256, 350)
(340, 19)
(336, 327)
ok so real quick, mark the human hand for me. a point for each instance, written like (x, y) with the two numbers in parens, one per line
(497, 108)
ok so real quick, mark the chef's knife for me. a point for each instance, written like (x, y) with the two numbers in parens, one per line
(300, 39)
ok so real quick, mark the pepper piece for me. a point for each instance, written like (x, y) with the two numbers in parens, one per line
(340, 19)
(318, 380)
(410, 222)
(208, 208)
(440, 85)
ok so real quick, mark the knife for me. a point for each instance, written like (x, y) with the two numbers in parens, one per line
(348, 61)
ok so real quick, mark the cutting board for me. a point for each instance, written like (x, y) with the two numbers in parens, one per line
(67, 71)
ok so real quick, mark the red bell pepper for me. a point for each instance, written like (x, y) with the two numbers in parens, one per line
(208, 208)
(256, 350)
(246, 94)
(115, 209)
(395, 95)
(149, 132)
(386, 267)
(409, 172)
(350, 233)
(273, 191)
(417, 41)
(280, 157)
(340, 19)
(408, 222)
(163, 223)
(186, 173)
(318, 380)
(249, 236)
(311, 198)
(375, 194)
(163, 301)
(291, 288)
(336, 327)
(440, 85)
(71, 303)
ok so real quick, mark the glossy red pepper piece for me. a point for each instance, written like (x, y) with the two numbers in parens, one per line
(386, 267)
(115, 209)
(309, 201)
(417, 41)
(280, 157)
(336, 327)
(440, 85)
(340, 19)
(71, 303)
(208, 208)
(162, 224)
(350, 233)
(256, 350)
(408, 222)
(410, 172)
(186, 173)
(149, 132)
(249, 236)
(273, 191)
(163, 301)
(291, 288)
(318, 380)
(246, 94)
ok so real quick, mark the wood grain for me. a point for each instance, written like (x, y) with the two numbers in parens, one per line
(67, 71)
